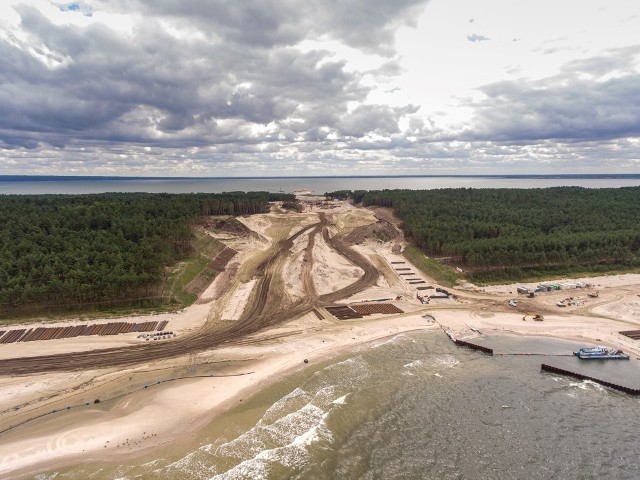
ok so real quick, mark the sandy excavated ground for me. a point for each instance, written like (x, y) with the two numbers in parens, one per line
(138, 420)
(330, 271)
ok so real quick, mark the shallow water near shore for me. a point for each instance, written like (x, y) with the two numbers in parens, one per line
(413, 406)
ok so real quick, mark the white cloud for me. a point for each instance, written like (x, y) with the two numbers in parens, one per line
(168, 88)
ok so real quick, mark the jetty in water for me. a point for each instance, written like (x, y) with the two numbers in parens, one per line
(582, 376)
(564, 370)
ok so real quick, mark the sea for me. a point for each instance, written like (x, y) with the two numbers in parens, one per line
(31, 185)
(413, 406)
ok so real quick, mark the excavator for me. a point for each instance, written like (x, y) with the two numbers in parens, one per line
(537, 317)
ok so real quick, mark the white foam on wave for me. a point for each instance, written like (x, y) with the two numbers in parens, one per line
(296, 397)
(391, 341)
(282, 440)
(294, 454)
(587, 385)
(341, 401)
(437, 375)
(354, 365)
(46, 476)
(303, 426)
(284, 432)
(414, 364)
(351, 374)
(195, 464)
(446, 361)
(325, 396)
(595, 385)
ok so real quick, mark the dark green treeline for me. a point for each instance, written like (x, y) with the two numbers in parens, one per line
(74, 250)
(512, 233)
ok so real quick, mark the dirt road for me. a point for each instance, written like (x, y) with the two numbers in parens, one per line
(268, 307)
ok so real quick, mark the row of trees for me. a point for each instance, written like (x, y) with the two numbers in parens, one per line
(81, 249)
(489, 231)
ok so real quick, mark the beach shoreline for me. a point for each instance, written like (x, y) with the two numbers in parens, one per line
(152, 413)
(90, 436)
(140, 428)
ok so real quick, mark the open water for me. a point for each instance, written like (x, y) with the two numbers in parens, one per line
(412, 407)
(317, 185)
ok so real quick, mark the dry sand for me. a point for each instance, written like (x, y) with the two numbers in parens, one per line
(166, 413)
(139, 421)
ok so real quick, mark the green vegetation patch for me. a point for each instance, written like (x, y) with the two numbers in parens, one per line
(441, 273)
(75, 252)
(188, 278)
(511, 234)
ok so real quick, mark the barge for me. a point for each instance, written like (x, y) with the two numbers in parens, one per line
(600, 352)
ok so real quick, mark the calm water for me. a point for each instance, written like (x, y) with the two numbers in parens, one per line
(318, 185)
(413, 407)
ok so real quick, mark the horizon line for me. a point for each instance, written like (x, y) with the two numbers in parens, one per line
(19, 177)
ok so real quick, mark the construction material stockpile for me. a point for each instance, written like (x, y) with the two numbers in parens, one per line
(344, 312)
(633, 334)
(371, 309)
(51, 333)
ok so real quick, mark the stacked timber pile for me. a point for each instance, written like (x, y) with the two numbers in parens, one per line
(51, 333)
(633, 334)
(371, 309)
(344, 312)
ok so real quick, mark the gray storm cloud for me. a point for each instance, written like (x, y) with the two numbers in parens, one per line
(215, 85)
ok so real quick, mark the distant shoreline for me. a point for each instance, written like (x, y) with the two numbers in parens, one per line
(71, 178)
(318, 185)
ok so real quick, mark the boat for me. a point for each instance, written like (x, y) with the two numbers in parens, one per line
(600, 352)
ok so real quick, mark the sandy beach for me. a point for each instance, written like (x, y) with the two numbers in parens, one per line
(49, 420)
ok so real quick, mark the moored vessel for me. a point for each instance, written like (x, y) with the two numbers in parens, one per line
(600, 352)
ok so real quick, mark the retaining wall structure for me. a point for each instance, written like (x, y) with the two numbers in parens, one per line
(580, 376)
(473, 346)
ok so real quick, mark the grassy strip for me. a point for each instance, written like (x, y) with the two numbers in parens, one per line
(184, 272)
(441, 273)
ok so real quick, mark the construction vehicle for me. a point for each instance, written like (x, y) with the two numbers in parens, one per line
(593, 294)
(536, 317)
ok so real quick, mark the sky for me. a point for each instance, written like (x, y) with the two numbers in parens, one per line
(228, 88)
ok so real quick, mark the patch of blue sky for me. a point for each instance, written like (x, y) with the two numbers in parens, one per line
(77, 7)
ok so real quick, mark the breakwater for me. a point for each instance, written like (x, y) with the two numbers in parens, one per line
(581, 376)
(473, 346)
